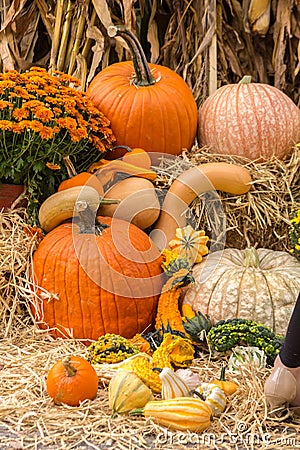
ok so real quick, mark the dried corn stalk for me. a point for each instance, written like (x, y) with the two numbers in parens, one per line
(208, 43)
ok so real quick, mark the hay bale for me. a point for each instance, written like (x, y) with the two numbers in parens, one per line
(259, 218)
(28, 417)
(17, 242)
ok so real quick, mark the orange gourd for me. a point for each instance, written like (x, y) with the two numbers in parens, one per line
(135, 156)
(79, 179)
(92, 280)
(253, 120)
(149, 106)
(82, 179)
(72, 380)
(229, 387)
(138, 157)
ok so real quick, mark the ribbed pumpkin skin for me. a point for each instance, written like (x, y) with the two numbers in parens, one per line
(114, 289)
(158, 118)
(253, 120)
(225, 288)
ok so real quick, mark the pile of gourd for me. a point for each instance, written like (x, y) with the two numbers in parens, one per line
(99, 270)
(182, 402)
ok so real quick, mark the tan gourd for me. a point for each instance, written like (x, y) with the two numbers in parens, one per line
(60, 206)
(139, 203)
(219, 176)
(126, 391)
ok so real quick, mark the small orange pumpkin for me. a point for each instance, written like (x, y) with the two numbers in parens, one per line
(229, 387)
(79, 179)
(72, 380)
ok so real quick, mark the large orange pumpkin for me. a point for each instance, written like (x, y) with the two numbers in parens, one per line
(92, 283)
(253, 120)
(149, 106)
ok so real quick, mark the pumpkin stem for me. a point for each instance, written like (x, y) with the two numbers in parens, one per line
(222, 374)
(195, 392)
(69, 166)
(88, 223)
(70, 370)
(129, 149)
(245, 80)
(251, 258)
(142, 70)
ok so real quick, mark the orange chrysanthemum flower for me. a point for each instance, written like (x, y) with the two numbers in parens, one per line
(20, 113)
(44, 114)
(43, 118)
(4, 104)
(5, 125)
(53, 166)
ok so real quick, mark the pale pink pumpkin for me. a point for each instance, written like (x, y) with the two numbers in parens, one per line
(253, 120)
(258, 284)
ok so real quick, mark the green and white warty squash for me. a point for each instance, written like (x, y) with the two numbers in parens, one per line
(261, 285)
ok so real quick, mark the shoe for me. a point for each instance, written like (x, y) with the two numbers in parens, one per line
(280, 388)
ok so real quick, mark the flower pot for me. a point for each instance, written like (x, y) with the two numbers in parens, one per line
(9, 194)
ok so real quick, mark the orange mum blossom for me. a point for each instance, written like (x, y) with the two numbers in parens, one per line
(44, 118)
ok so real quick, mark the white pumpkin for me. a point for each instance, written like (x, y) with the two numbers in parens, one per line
(261, 285)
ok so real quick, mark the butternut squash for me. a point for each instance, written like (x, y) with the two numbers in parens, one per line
(138, 204)
(60, 206)
(220, 176)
